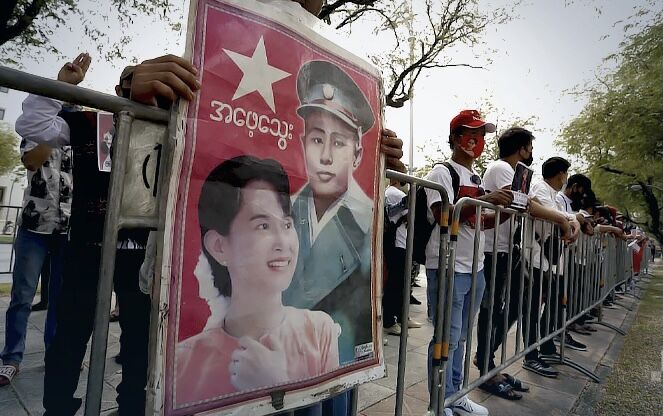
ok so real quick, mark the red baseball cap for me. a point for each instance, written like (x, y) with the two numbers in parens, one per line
(471, 119)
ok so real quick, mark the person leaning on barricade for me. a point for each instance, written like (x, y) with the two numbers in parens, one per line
(46, 121)
(515, 145)
(555, 174)
(466, 140)
(162, 80)
(578, 187)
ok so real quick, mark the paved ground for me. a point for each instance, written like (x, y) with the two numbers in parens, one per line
(5, 266)
(547, 397)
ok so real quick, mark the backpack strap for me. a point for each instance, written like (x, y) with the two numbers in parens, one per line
(455, 179)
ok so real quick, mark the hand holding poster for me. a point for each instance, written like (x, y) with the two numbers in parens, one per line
(274, 226)
(520, 186)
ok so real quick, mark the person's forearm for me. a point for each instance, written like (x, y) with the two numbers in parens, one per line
(40, 123)
(35, 158)
(539, 211)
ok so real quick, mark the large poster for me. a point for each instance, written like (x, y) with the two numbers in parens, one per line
(273, 265)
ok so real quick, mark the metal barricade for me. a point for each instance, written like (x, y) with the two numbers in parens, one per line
(129, 205)
(9, 216)
(439, 348)
(550, 297)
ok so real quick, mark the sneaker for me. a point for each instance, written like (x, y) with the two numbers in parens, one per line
(414, 301)
(466, 407)
(411, 323)
(539, 367)
(608, 304)
(395, 329)
(40, 306)
(574, 345)
(571, 343)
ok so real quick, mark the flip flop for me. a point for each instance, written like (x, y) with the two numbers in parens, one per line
(501, 389)
(7, 374)
(515, 383)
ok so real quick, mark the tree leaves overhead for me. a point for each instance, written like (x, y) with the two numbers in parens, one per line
(434, 29)
(618, 136)
(27, 27)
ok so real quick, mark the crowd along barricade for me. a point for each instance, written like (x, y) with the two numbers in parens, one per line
(552, 295)
(137, 189)
(9, 216)
(439, 347)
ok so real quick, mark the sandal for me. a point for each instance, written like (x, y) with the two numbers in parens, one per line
(501, 389)
(515, 383)
(7, 374)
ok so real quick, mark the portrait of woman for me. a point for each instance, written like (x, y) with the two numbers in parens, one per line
(249, 250)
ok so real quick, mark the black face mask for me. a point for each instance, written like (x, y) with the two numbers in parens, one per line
(576, 200)
(529, 160)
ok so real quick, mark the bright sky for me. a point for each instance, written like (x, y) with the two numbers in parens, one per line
(551, 47)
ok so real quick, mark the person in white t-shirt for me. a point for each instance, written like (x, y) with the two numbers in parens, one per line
(578, 187)
(515, 145)
(394, 259)
(555, 175)
(467, 142)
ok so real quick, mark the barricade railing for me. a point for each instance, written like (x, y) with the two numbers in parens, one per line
(131, 204)
(550, 297)
(9, 216)
(438, 346)
(568, 290)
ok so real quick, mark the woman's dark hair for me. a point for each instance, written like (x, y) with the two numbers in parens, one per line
(581, 180)
(554, 166)
(221, 199)
(513, 139)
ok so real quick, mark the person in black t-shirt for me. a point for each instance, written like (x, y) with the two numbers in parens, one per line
(46, 121)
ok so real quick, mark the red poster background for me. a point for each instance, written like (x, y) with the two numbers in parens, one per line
(208, 142)
(217, 141)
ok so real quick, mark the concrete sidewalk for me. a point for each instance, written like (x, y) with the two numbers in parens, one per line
(546, 396)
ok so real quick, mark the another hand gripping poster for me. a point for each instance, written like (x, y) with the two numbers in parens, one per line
(272, 251)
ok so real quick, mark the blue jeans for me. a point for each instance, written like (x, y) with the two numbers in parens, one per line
(31, 250)
(460, 314)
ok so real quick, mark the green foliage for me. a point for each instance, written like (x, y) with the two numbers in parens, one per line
(619, 134)
(9, 156)
(28, 26)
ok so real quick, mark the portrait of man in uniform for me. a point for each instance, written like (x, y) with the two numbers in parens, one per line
(332, 214)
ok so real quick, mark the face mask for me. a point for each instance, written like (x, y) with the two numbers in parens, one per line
(529, 160)
(472, 145)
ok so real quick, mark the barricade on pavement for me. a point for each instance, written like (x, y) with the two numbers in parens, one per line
(135, 190)
(589, 270)
(9, 219)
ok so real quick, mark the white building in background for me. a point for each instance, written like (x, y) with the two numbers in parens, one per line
(11, 186)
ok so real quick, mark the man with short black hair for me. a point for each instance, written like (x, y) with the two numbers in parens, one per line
(555, 175)
(515, 145)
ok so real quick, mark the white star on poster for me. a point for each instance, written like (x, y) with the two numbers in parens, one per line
(258, 75)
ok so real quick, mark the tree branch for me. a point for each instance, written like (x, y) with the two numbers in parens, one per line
(22, 22)
(616, 171)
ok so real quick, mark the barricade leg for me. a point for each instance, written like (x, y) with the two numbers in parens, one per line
(562, 360)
